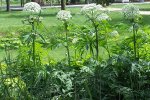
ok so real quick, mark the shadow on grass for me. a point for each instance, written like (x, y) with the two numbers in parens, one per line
(145, 9)
(21, 14)
(17, 15)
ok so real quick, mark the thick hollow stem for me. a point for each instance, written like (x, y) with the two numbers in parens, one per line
(62, 4)
(91, 49)
(8, 5)
(134, 41)
(97, 40)
(33, 44)
(97, 47)
(67, 46)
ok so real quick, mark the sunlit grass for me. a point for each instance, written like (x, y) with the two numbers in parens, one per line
(142, 6)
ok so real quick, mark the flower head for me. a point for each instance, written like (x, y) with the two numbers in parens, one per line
(32, 7)
(96, 12)
(64, 15)
(103, 17)
(91, 7)
(130, 11)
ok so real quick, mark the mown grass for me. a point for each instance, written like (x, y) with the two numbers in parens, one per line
(11, 21)
(142, 6)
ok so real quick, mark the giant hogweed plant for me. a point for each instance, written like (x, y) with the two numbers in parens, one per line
(95, 15)
(132, 14)
(65, 16)
(126, 47)
(83, 40)
(29, 58)
(34, 19)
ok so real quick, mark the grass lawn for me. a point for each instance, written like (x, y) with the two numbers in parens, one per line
(142, 6)
(10, 23)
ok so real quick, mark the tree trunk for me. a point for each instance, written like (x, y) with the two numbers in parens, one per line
(7, 5)
(73, 1)
(1, 2)
(40, 2)
(67, 2)
(22, 3)
(62, 4)
(86, 1)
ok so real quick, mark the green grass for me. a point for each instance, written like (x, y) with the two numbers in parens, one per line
(11, 21)
(14, 19)
(142, 6)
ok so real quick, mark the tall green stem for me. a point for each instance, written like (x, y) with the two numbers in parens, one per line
(67, 46)
(33, 43)
(91, 50)
(134, 41)
(97, 46)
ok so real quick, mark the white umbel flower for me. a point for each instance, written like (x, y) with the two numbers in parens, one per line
(91, 10)
(64, 15)
(130, 11)
(91, 7)
(96, 12)
(103, 17)
(32, 7)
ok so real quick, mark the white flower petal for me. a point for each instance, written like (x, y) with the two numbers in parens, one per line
(64, 15)
(103, 17)
(32, 7)
(130, 11)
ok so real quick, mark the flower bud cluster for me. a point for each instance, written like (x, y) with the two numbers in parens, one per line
(95, 12)
(130, 12)
(32, 7)
(64, 15)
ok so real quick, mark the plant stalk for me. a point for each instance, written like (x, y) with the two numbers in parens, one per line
(67, 46)
(97, 47)
(33, 43)
(134, 41)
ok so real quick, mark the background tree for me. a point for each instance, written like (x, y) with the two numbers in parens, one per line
(104, 2)
(7, 5)
(22, 3)
(40, 2)
(62, 4)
